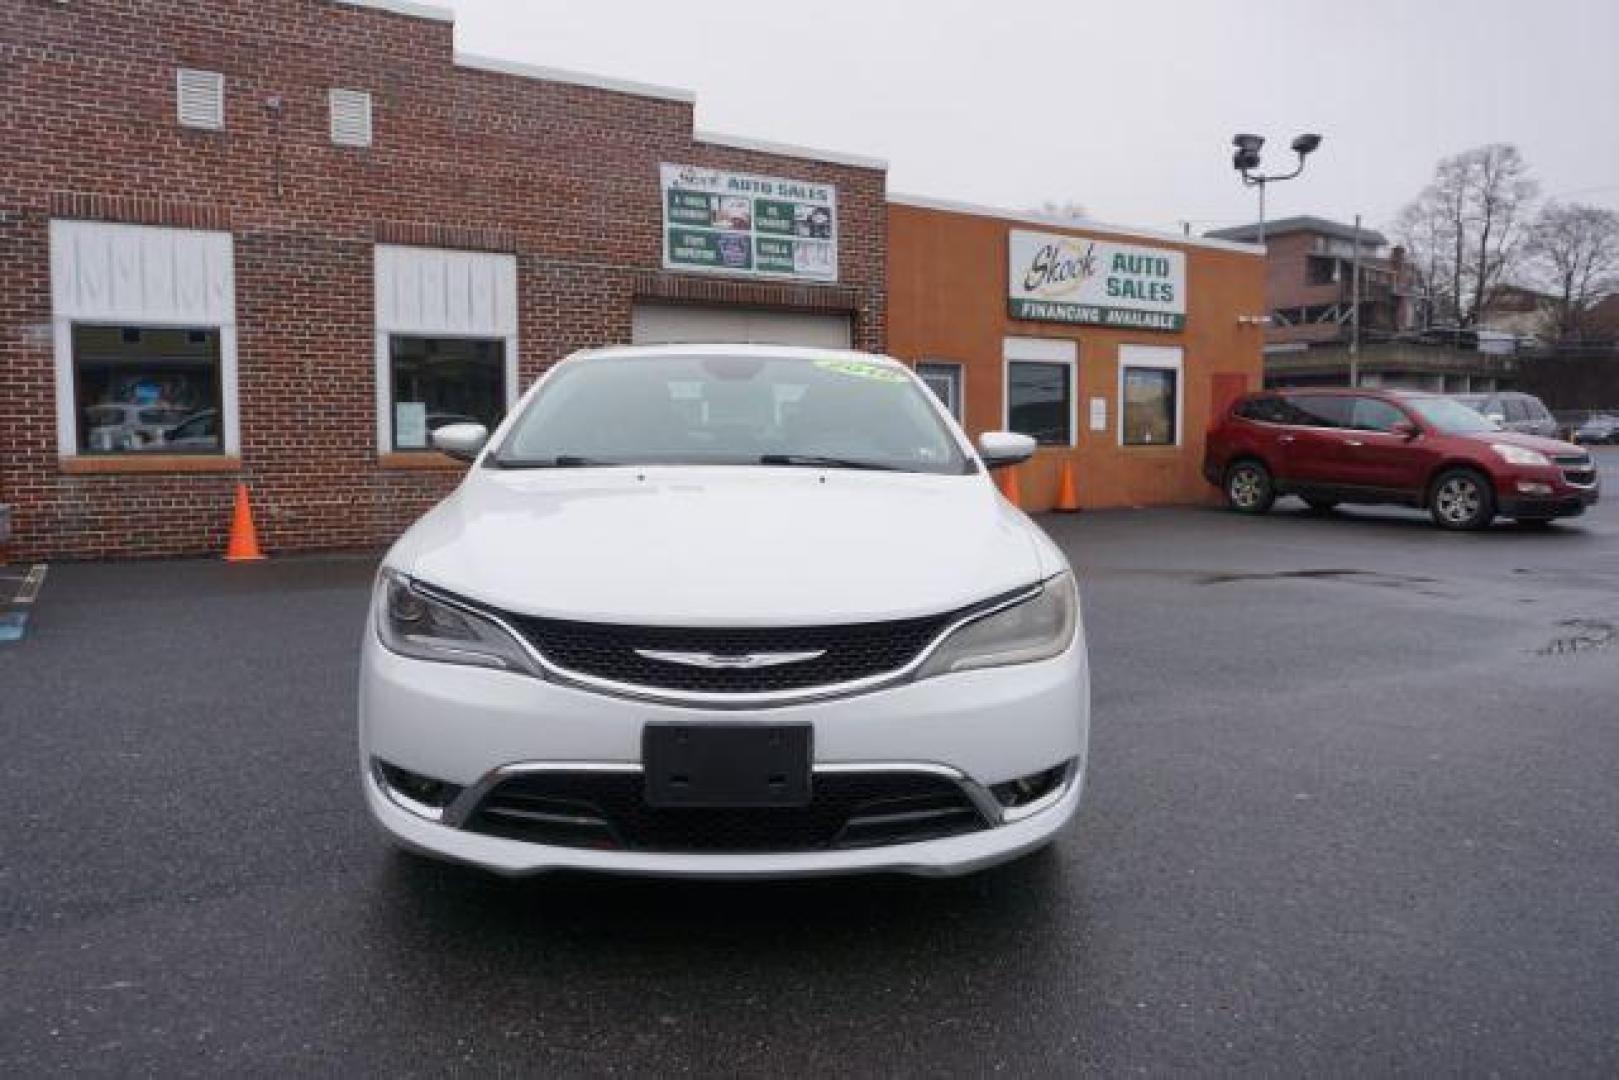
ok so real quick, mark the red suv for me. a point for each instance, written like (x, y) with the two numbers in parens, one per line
(1378, 446)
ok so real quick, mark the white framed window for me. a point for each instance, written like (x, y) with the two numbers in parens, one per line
(144, 329)
(351, 117)
(446, 341)
(199, 98)
(1040, 389)
(1151, 395)
(945, 378)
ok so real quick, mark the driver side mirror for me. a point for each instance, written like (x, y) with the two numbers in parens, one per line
(1002, 448)
(460, 441)
(1406, 429)
(1499, 420)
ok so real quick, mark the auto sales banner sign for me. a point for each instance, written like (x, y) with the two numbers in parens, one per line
(757, 226)
(1074, 279)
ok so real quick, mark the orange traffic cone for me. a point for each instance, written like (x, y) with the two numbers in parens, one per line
(1067, 498)
(244, 539)
(1009, 486)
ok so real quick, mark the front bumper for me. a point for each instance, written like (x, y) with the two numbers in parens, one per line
(1564, 501)
(465, 725)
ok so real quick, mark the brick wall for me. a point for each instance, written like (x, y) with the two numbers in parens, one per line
(565, 176)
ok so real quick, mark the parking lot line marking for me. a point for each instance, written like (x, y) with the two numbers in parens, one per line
(31, 585)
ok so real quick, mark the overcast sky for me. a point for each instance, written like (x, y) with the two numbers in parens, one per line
(1126, 108)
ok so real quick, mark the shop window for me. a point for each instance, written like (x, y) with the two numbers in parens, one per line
(143, 390)
(1149, 395)
(1320, 271)
(1149, 407)
(1040, 400)
(437, 381)
(944, 379)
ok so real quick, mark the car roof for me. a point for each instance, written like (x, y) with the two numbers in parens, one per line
(778, 352)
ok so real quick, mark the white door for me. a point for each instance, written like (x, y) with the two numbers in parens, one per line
(683, 324)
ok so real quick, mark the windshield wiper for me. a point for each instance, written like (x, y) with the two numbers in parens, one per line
(561, 461)
(816, 461)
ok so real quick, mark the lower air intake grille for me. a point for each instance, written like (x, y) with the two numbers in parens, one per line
(607, 811)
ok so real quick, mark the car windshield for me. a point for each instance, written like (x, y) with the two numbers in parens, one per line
(732, 410)
(1450, 417)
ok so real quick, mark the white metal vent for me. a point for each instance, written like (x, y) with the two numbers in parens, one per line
(351, 117)
(200, 97)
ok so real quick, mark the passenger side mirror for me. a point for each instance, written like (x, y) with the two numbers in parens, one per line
(1406, 429)
(1002, 448)
(460, 441)
(1498, 419)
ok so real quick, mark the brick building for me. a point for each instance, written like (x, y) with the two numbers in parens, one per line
(276, 241)
(1115, 348)
(1310, 296)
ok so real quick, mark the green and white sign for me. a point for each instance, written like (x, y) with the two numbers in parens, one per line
(1074, 279)
(756, 226)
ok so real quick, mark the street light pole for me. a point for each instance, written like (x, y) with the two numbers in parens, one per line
(1246, 160)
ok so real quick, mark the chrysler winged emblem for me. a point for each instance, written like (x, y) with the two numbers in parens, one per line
(739, 661)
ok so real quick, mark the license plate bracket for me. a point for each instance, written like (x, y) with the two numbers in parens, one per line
(720, 765)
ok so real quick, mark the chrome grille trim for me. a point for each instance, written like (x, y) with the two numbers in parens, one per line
(719, 700)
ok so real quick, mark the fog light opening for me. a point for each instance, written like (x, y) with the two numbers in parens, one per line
(1025, 790)
(429, 792)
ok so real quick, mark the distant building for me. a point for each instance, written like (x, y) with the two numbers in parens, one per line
(1518, 311)
(1310, 299)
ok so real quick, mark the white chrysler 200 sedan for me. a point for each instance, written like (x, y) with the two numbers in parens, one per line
(725, 611)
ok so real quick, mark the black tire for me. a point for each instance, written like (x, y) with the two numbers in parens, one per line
(1248, 487)
(1462, 499)
(1321, 506)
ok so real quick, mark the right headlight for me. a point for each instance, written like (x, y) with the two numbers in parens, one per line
(1519, 455)
(1034, 629)
(416, 624)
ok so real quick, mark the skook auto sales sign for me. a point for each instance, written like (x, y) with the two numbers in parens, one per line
(1075, 279)
(759, 226)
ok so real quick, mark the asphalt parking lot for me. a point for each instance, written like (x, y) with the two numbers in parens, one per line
(1352, 809)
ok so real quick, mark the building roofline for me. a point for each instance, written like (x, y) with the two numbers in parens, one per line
(1309, 223)
(780, 149)
(1080, 225)
(406, 7)
(476, 62)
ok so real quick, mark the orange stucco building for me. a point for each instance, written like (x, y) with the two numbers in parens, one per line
(1111, 346)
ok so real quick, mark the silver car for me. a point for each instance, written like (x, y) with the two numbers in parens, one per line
(1513, 411)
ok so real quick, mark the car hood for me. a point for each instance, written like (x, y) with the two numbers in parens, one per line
(1533, 442)
(724, 546)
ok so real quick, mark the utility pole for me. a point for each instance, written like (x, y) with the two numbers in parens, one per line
(1354, 312)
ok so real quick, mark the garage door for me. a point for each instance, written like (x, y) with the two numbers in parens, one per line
(680, 324)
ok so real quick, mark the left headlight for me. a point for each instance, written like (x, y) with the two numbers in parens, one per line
(1034, 629)
(415, 624)
(1519, 455)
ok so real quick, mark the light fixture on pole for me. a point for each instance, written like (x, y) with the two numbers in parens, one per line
(1246, 161)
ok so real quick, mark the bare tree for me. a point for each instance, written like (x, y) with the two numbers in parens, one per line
(1575, 249)
(1468, 227)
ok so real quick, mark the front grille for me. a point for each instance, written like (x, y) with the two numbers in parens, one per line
(607, 811)
(1577, 468)
(849, 652)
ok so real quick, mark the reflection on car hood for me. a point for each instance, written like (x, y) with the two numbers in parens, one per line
(1532, 442)
(724, 546)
